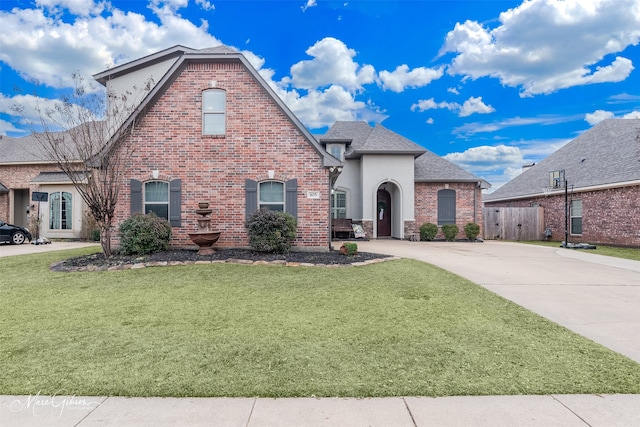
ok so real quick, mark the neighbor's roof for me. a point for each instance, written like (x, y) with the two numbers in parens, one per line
(361, 139)
(57, 177)
(184, 55)
(606, 155)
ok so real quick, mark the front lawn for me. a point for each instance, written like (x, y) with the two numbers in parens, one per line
(396, 328)
(614, 251)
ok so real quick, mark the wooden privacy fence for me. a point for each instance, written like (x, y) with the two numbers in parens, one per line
(513, 223)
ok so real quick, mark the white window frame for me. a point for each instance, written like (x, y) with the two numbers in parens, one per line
(147, 206)
(573, 215)
(214, 109)
(270, 204)
(335, 209)
(336, 150)
(63, 211)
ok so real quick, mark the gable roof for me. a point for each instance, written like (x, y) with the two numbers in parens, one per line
(430, 167)
(361, 138)
(184, 56)
(607, 155)
(365, 139)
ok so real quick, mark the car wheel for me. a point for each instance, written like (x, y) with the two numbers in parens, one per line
(18, 238)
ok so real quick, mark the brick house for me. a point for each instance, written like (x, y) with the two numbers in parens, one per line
(211, 129)
(602, 171)
(24, 169)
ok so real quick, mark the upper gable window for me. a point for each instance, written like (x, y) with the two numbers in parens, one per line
(336, 150)
(214, 112)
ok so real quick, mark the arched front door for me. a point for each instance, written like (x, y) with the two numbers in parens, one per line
(383, 213)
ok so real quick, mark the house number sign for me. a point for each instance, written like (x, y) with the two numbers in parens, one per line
(313, 194)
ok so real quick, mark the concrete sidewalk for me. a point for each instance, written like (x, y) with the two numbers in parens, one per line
(521, 411)
(27, 248)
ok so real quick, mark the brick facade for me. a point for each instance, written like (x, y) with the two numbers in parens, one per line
(609, 216)
(426, 205)
(259, 138)
(18, 177)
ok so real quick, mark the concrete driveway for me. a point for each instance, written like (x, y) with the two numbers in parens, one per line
(593, 295)
(26, 248)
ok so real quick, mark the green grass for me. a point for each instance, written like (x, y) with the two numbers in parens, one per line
(614, 251)
(392, 329)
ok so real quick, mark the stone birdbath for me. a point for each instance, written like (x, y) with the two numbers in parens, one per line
(204, 237)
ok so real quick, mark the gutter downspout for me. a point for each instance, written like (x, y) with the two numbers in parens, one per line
(334, 173)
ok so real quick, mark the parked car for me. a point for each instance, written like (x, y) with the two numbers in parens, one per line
(13, 234)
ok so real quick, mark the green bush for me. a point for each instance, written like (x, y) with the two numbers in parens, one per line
(428, 231)
(450, 232)
(144, 234)
(95, 235)
(350, 249)
(471, 230)
(271, 231)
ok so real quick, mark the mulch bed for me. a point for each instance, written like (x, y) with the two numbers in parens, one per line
(98, 262)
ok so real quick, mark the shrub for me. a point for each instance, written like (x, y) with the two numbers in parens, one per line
(271, 231)
(450, 232)
(428, 231)
(350, 249)
(144, 234)
(471, 230)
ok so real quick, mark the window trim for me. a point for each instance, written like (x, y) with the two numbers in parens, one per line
(265, 204)
(67, 211)
(572, 217)
(445, 193)
(335, 209)
(340, 148)
(213, 112)
(167, 203)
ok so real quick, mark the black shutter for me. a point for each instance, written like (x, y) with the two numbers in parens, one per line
(175, 202)
(446, 207)
(251, 197)
(291, 197)
(136, 196)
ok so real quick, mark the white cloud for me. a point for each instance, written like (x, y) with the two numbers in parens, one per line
(205, 4)
(332, 63)
(470, 129)
(430, 104)
(524, 50)
(402, 78)
(308, 4)
(76, 7)
(471, 106)
(600, 115)
(475, 105)
(49, 50)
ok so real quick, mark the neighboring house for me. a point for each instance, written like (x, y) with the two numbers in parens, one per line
(210, 129)
(24, 169)
(392, 186)
(602, 172)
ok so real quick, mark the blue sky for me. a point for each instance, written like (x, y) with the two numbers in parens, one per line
(489, 85)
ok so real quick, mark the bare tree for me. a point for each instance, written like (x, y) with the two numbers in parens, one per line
(84, 136)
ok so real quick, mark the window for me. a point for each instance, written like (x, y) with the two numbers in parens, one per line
(271, 195)
(446, 207)
(336, 150)
(576, 217)
(156, 198)
(213, 112)
(60, 208)
(338, 204)
(162, 198)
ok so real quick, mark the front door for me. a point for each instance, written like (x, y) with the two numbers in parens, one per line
(383, 213)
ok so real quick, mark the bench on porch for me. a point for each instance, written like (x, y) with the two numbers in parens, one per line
(346, 225)
(341, 225)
